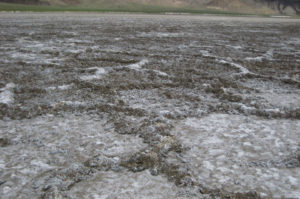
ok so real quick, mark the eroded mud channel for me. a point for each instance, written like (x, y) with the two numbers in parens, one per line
(138, 106)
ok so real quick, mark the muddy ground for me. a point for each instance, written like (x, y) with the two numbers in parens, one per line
(141, 106)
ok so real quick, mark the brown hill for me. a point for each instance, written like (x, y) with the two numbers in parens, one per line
(245, 6)
(241, 6)
(26, 2)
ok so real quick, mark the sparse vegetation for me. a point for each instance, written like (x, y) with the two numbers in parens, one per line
(281, 5)
(134, 8)
(129, 6)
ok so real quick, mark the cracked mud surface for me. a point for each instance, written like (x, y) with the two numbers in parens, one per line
(141, 106)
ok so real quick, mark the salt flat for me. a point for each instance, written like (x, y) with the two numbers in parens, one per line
(149, 106)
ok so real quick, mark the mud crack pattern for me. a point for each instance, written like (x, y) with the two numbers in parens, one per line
(149, 106)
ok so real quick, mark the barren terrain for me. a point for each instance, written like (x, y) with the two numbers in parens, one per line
(149, 106)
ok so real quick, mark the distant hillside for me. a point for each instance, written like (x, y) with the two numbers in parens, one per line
(245, 6)
(228, 5)
(236, 6)
(173, 3)
(27, 2)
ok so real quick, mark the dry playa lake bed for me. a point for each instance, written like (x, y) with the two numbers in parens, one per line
(149, 106)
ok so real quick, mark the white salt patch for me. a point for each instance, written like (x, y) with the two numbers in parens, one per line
(6, 189)
(48, 142)
(274, 93)
(41, 164)
(97, 75)
(275, 110)
(243, 70)
(284, 99)
(65, 87)
(163, 112)
(294, 41)
(268, 56)
(125, 185)
(35, 58)
(246, 109)
(259, 58)
(223, 146)
(75, 51)
(160, 73)
(169, 34)
(205, 53)
(138, 65)
(214, 140)
(235, 47)
(6, 94)
(296, 77)
(70, 33)
(73, 103)
(208, 165)
(279, 16)
(112, 48)
(72, 40)
(2, 165)
(51, 88)
(36, 45)
(293, 181)
(25, 56)
(160, 34)
(62, 87)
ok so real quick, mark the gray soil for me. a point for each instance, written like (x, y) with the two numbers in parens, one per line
(149, 106)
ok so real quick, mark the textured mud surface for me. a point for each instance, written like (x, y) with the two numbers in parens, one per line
(138, 106)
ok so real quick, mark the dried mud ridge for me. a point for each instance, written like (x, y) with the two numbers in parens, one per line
(142, 76)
